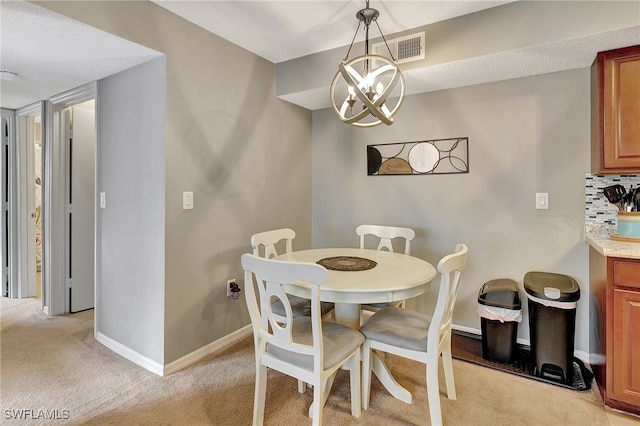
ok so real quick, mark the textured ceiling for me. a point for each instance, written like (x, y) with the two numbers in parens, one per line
(52, 54)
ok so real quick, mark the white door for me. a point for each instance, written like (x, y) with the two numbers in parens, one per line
(81, 206)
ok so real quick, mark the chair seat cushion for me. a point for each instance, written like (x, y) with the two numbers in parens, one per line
(398, 327)
(300, 307)
(338, 342)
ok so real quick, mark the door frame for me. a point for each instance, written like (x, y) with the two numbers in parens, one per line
(24, 283)
(55, 227)
(9, 212)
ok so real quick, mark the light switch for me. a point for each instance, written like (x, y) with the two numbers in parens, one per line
(187, 200)
(542, 201)
(103, 200)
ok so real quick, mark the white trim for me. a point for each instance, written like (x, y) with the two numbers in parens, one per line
(55, 244)
(596, 359)
(215, 346)
(130, 354)
(157, 368)
(75, 96)
(467, 329)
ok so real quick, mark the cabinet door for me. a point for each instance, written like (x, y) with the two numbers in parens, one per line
(626, 346)
(621, 108)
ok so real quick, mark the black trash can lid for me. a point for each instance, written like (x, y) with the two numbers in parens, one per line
(501, 293)
(550, 286)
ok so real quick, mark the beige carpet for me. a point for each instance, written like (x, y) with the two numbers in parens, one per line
(53, 366)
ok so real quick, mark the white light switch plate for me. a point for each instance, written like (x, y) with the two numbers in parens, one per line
(542, 200)
(187, 200)
(103, 200)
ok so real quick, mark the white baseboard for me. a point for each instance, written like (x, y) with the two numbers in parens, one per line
(130, 354)
(159, 369)
(212, 347)
(466, 329)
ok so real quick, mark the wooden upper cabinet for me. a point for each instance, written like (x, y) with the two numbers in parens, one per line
(615, 89)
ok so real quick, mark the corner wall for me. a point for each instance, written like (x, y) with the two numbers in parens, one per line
(245, 155)
(130, 238)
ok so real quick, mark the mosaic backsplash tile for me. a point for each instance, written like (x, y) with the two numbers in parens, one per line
(598, 210)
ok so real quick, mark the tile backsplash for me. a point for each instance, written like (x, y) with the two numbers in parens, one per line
(598, 210)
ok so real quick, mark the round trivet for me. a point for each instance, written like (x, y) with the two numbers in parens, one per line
(347, 263)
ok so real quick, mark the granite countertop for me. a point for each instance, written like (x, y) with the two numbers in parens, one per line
(598, 237)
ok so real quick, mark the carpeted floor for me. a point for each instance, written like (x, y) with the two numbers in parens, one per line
(53, 366)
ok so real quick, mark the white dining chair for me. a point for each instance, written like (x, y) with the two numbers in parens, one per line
(385, 235)
(304, 347)
(417, 336)
(264, 245)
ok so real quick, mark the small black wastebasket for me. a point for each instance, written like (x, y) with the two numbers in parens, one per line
(500, 312)
(552, 300)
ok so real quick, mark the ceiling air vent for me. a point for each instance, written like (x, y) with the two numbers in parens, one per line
(405, 49)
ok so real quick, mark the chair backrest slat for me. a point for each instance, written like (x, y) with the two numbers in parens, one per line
(271, 277)
(450, 268)
(386, 234)
(269, 239)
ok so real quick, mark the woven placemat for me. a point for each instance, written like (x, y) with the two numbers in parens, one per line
(347, 263)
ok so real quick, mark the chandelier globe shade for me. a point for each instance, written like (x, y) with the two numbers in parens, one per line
(369, 89)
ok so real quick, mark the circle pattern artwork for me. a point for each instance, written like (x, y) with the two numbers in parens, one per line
(439, 156)
(395, 166)
(347, 263)
(374, 160)
(424, 157)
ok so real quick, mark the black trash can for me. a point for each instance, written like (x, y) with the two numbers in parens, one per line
(552, 300)
(500, 312)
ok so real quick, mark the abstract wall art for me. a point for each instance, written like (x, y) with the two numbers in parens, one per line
(429, 157)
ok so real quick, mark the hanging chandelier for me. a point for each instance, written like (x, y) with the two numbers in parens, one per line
(369, 89)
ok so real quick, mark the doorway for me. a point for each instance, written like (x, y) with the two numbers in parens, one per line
(69, 199)
(81, 152)
(27, 200)
(7, 131)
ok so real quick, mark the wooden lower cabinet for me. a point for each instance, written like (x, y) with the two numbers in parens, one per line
(623, 334)
(626, 346)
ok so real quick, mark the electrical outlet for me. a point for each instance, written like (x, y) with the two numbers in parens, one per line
(229, 285)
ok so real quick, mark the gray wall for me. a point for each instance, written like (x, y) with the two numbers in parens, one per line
(131, 110)
(245, 155)
(525, 136)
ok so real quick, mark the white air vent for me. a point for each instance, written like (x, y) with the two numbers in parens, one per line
(404, 49)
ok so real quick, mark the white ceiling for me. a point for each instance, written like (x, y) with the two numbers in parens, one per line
(52, 53)
(283, 30)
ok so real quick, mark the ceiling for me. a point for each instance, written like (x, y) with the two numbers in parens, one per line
(283, 30)
(52, 53)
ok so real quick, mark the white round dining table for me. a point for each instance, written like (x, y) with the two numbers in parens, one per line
(394, 277)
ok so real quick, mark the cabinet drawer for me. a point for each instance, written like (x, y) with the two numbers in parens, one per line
(626, 272)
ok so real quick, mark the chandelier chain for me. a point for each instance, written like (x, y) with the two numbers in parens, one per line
(351, 45)
(385, 43)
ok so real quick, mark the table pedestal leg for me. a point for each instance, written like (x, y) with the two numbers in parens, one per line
(381, 370)
(348, 314)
